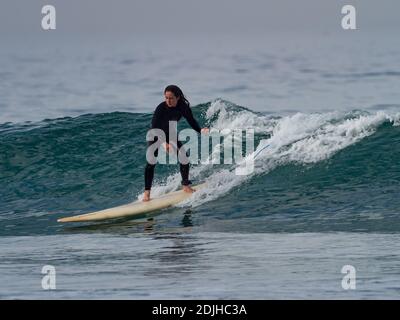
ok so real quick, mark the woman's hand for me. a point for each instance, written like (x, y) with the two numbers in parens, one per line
(205, 130)
(166, 147)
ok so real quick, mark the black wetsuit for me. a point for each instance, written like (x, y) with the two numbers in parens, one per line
(161, 117)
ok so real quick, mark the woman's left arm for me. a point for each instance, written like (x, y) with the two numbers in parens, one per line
(188, 115)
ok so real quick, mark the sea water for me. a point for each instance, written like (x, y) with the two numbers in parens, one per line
(323, 196)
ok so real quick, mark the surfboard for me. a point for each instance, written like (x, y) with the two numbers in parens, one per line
(137, 208)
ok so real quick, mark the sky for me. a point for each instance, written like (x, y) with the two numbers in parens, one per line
(22, 18)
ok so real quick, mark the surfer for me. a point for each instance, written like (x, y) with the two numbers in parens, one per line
(173, 108)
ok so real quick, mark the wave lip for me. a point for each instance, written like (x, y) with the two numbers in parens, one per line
(299, 139)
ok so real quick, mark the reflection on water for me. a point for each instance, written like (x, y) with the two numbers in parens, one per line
(182, 255)
(124, 226)
(149, 225)
(187, 219)
(201, 265)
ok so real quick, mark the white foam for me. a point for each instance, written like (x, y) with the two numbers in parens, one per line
(230, 118)
(330, 138)
(396, 119)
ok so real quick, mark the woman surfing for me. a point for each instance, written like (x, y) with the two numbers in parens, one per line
(173, 108)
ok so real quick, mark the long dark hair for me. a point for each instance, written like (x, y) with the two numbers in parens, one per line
(177, 93)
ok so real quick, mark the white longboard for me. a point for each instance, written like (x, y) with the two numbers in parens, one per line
(135, 208)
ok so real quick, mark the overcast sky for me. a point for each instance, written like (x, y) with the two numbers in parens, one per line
(141, 17)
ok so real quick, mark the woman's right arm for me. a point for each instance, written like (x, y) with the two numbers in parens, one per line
(156, 123)
(156, 120)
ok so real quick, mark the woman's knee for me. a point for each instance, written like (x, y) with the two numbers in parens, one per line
(149, 166)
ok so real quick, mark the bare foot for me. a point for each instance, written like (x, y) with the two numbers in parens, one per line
(146, 196)
(188, 189)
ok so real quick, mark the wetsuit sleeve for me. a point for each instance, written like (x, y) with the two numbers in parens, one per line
(160, 121)
(188, 115)
(156, 121)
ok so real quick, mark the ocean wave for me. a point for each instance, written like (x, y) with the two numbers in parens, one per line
(97, 160)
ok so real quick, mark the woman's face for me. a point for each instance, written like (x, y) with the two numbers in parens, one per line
(170, 99)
